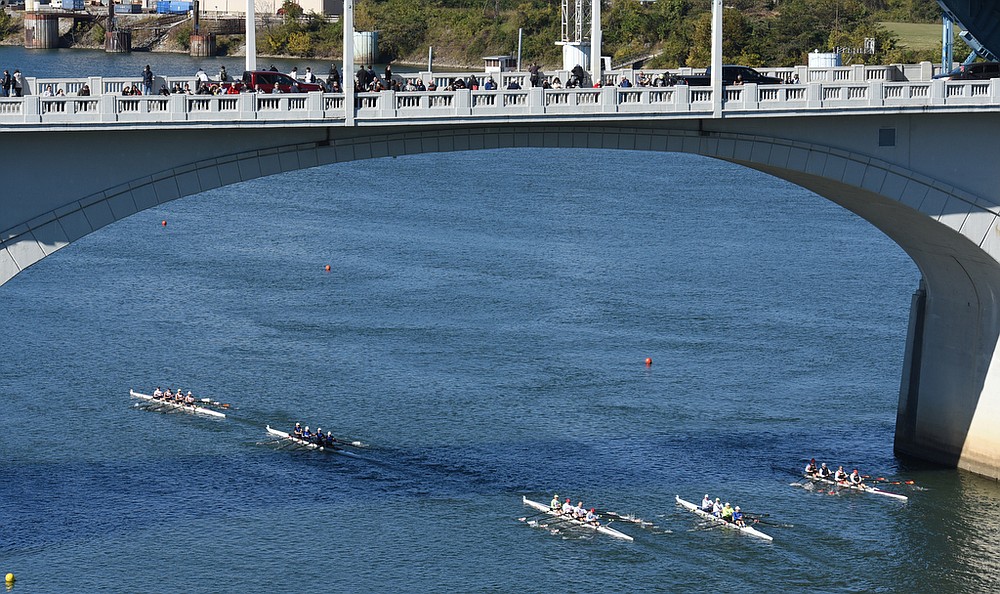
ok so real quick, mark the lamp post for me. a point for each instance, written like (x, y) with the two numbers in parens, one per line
(251, 27)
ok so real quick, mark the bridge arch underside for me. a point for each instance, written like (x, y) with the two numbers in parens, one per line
(950, 391)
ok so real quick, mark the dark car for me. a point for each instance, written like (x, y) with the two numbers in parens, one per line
(974, 71)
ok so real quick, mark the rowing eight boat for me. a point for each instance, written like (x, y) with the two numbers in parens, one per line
(168, 404)
(847, 485)
(308, 444)
(602, 529)
(744, 529)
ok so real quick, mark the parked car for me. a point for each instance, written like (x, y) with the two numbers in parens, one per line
(974, 71)
(267, 79)
(731, 75)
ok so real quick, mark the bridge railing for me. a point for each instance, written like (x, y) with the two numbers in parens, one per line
(389, 105)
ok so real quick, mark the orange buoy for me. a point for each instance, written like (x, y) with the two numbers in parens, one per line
(328, 268)
(164, 223)
(649, 361)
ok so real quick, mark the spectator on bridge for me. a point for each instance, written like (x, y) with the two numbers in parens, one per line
(164, 90)
(490, 85)
(361, 79)
(147, 80)
(513, 85)
(18, 83)
(556, 83)
(5, 84)
(535, 73)
(84, 91)
(335, 87)
(48, 91)
(578, 76)
(388, 73)
(372, 77)
(625, 82)
(309, 77)
(294, 73)
(472, 83)
(223, 75)
(60, 93)
(273, 68)
(431, 85)
(333, 77)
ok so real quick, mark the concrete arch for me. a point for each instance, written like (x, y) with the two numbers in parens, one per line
(946, 401)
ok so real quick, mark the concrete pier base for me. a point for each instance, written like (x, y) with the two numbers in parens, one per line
(203, 46)
(118, 42)
(41, 30)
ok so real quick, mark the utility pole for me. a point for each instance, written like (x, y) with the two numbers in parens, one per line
(251, 31)
(717, 90)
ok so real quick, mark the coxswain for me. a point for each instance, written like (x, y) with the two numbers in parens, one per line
(592, 518)
(706, 504)
(567, 508)
(824, 471)
(727, 512)
(297, 432)
(717, 508)
(555, 504)
(738, 518)
(811, 469)
(840, 476)
(855, 479)
(157, 393)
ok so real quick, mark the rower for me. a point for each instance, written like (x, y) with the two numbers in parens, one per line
(738, 518)
(319, 436)
(297, 432)
(717, 508)
(578, 511)
(706, 504)
(168, 395)
(189, 399)
(727, 512)
(567, 508)
(330, 440)
(840, 476)
(855, 478)
(306, 433)
(824, 472)
(811, 469)
(157, 393)
(592, 518)
(555, 504)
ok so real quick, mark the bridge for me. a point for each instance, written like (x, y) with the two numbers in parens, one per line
(913, 155)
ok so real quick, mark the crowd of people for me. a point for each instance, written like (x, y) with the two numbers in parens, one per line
(854, 479)
(723, 511)
(576, 512)
(326, 441)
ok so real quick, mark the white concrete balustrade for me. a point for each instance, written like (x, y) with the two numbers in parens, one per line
(388, 105)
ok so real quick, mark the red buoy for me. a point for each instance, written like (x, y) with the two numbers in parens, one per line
(164, 223)
(649, 361)
(328, 268)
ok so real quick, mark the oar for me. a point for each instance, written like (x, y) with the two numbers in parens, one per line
(559, 520)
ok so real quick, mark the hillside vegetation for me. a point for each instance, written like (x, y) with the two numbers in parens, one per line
(757, 32)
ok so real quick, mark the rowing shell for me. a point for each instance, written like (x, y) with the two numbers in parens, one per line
(601, 529)
(744, 529)
(308, 444)
(188, 408)
(865, 488)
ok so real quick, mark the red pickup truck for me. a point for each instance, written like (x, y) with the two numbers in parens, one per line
(265, 81)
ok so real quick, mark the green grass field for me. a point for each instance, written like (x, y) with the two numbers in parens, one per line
(917, 36)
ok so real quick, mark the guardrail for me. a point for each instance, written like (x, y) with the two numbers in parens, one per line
(461, 104)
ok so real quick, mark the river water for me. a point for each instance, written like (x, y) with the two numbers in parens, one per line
(483, 328)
